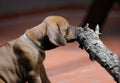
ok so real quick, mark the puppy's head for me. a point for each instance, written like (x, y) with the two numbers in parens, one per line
(59, 31)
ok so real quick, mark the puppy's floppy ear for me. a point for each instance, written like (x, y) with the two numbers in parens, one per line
(55, 35)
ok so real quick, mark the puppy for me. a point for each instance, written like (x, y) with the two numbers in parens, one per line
(21, 60)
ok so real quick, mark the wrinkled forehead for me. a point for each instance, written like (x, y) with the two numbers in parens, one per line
(63, 23)
(56, 19)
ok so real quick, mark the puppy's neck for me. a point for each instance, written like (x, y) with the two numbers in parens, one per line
(37, 33)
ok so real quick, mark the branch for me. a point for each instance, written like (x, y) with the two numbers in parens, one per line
(89, 40)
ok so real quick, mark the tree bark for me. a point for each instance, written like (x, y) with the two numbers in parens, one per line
(89, 40)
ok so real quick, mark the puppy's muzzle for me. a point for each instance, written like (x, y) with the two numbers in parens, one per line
(72, 34)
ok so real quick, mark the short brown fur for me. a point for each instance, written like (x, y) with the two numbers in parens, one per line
(21, 62)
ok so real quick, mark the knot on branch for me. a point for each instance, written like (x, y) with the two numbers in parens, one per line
(87, 30)
(97, 30)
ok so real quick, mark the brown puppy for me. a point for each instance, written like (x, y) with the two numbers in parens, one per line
(21, 60)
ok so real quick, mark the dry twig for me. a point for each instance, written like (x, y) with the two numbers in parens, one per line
(89, 40)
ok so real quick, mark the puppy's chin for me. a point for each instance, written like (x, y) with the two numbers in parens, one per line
(47, 44)
(72, 40)
(50, 46)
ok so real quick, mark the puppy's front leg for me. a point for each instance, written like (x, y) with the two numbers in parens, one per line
(43, 75)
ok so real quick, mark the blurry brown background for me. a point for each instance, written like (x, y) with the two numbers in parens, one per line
(67, 64)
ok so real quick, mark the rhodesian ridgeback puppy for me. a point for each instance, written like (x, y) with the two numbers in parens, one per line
(21, 60)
